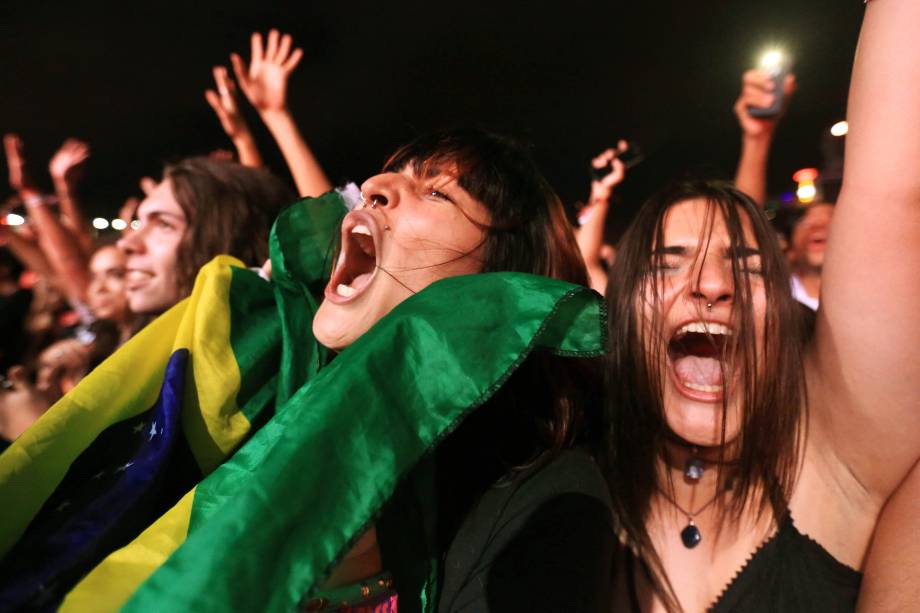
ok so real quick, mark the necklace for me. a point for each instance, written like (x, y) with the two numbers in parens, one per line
(690, 535)
(694, 467)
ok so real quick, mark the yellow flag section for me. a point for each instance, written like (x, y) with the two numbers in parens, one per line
(110, 584)
(127, 384)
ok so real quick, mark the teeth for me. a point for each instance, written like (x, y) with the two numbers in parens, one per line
(345, 290)
(701, 327)
(703, 388)
(361, 229)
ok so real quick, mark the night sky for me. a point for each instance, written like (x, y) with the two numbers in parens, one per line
(567, 77)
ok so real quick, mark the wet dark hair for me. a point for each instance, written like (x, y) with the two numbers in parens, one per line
(229, 208)
(529, 230)
(762, 470)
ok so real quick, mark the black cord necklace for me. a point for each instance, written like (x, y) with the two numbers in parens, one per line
(693, 471)
(690, 535)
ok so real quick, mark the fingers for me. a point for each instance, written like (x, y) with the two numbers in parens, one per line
(292, 62)
(239, 69)
(147, 185)
(271, 49)
(790, 85)
(284, 47)
(603, 159)
(226, 88)
(255, 43)
(214, 100)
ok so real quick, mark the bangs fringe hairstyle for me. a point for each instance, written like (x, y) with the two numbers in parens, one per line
(528, 232)
(760, 472)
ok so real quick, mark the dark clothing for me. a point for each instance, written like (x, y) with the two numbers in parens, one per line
(791, 572)
(542, 541)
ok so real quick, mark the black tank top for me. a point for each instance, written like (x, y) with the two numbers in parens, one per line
(790, 572)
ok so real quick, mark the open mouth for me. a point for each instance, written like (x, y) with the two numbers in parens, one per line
(357, 262)
(696, 354)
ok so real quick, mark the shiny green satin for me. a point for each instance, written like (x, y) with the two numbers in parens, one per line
(273, 520)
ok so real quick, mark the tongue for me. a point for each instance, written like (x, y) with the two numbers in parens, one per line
(702, 371)
(361, 280)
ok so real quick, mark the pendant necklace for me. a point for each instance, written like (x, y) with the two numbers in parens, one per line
(690, 535)
(693, 471)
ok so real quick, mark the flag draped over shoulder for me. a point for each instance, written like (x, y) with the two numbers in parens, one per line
(264, 528)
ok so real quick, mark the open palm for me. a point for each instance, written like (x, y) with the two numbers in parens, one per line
(264, 82)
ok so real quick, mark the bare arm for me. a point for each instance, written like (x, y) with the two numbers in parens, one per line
(892, 572)
(756, 134)
(264, 83)
(590, 236)
(60, 254)
(26, 251)
(224, 103)
(864, 365)
(62, 251)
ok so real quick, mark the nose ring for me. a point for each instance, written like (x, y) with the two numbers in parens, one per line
(709, 307)
(364, 201)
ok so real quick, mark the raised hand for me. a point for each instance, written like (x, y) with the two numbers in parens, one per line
(71, 154)
(757, 90)
(224, 103)
(264, 81)
(603, 187)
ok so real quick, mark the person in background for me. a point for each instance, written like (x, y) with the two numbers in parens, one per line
(202, 208)
(807, 246)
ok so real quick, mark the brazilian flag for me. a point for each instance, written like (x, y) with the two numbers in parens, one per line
(222, 461)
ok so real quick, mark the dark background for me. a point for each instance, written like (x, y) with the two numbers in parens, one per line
(567, 77)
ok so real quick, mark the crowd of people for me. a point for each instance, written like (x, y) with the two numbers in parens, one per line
(728, 422)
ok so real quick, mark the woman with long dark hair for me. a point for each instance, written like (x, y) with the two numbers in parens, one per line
(750, 455)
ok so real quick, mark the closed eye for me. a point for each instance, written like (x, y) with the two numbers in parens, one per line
(433, 193)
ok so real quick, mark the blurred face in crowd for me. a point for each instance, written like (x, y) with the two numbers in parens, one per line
(106, 294)
(152, 251)
(411, 232)
(698, 375)
(809, 237)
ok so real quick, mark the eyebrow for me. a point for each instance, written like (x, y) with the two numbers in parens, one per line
(743, 251)
(159, 213)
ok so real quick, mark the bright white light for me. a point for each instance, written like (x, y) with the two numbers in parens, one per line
(100, 223)
(771, 59)
(840, 128)
(135, 224)
(806, 192)
(119, 224)
(15, 220)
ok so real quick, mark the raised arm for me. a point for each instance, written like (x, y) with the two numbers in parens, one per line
(64, 167)
(224, 103)
(757, 134)
(865, 363)
(60, 253)
(26, 251)
(593, 218)
(264, 82)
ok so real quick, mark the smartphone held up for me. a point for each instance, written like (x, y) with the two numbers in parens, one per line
(778, 65)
